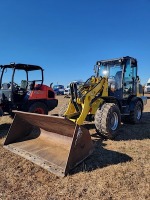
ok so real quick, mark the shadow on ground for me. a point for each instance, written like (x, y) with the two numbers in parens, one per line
(127, 132)
(100, 158)
(139, 131)
(4, 129)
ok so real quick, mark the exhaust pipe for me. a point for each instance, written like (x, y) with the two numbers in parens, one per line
(54, 143)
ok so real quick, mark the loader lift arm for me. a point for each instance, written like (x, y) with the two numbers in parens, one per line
(81, 104)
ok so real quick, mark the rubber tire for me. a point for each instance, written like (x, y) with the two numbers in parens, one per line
(103, 118)
(132, 118)
(133, 114)
(38, 105)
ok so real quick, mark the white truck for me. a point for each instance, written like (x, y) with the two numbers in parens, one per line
(147, 87)
(67, 89)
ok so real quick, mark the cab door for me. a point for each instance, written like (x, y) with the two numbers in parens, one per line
(129, 79)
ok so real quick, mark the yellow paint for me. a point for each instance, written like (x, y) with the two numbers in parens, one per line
(96, 86)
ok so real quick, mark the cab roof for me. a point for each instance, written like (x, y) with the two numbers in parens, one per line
(20, 66)
(116, 61)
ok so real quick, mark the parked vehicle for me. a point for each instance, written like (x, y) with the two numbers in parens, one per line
(147, 87)
(59, 89)
(22, 88)
(67, 89)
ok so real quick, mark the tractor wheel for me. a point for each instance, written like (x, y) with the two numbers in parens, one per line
(136, 114)
(108, 120)
(39, 108)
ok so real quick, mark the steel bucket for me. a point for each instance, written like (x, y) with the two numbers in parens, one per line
(55, 143)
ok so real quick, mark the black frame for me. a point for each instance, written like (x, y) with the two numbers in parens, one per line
(24, 67)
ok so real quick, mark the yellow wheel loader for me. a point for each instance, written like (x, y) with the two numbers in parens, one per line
(58, 144)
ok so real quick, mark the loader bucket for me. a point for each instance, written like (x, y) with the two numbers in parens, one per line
(55, 143)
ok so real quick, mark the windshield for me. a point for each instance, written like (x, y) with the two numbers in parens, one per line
(148, 84)
(20, 76)
(8, 73)
(109, 70)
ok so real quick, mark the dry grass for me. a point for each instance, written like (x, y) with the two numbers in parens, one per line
(117, 169)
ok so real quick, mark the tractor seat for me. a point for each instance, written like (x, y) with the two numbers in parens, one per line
(32, 85)
(23, 84)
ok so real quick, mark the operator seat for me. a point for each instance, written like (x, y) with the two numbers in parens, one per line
(32, 85)
(23, 84)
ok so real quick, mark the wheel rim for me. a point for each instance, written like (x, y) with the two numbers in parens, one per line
(39, 111)
(138, 113)
(114, 121)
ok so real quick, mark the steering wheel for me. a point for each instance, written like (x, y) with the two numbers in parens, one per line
(14, 84)
(16, 87)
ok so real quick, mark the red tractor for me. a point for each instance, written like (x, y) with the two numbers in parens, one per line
(24, 92)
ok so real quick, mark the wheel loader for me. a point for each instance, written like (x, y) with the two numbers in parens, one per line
(22, 88)
(59, 143)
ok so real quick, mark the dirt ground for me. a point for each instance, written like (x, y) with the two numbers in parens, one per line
(117, 169)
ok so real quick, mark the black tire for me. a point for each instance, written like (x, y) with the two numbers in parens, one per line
(39, 108)
(136, 114)
(108, 120)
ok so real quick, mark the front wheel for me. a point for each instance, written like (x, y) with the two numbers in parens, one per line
(108, 120)
(39, 108)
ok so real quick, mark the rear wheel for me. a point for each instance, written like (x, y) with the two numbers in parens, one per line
(108, 120)
(39, 108)
(136, 114)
